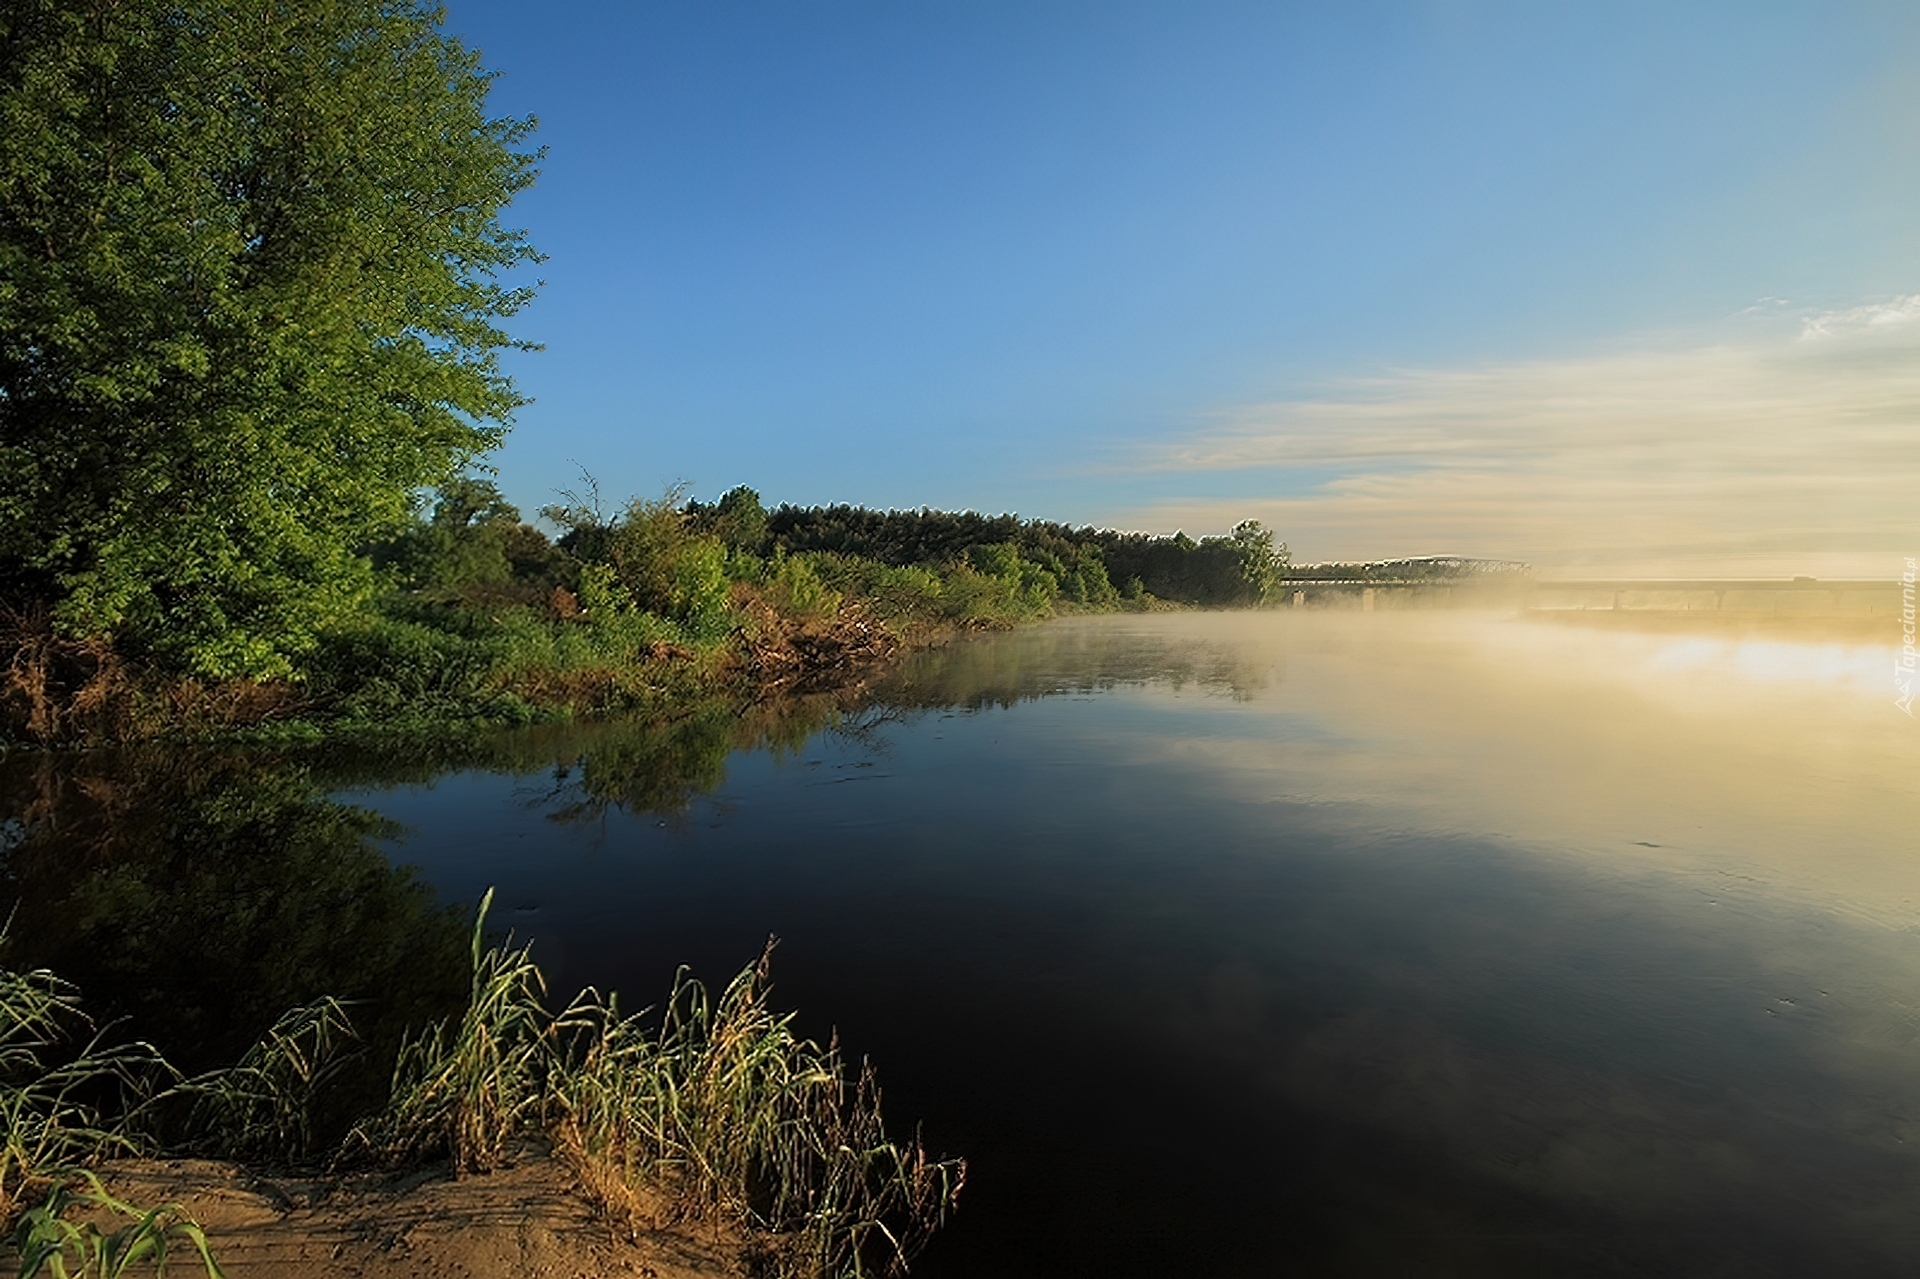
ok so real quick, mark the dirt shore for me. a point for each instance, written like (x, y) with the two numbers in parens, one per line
(531, 1220)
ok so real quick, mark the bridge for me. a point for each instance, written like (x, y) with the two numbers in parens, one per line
(1763, 594)
(1799, 595)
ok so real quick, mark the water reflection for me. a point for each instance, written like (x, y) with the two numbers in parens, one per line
(199, 895)
(1224, 944)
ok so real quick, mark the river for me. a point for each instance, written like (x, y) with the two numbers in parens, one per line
(1221, 944)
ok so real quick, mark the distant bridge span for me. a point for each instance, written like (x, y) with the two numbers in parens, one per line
(1753, 594)
(1836, 589)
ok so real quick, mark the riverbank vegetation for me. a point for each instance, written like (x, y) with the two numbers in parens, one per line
(480, 616)
(711, 1103)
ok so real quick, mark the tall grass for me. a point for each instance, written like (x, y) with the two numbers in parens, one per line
(67, 1093)
(742, 1120)
(713, 1105)
(264, 1106)
(465, 1088)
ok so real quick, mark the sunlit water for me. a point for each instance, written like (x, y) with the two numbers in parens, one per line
(1227, 944)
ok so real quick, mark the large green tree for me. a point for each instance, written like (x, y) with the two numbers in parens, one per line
(252, 283)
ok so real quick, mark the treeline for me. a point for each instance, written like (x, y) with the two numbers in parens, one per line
(658, 597)
(1241, 569)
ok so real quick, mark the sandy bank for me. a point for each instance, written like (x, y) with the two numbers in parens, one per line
(530, 1220)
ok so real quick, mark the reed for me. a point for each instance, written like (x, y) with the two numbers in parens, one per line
(263, 1108)
(465, 1088)
(67, 1093)
(713, 1104)
(740, 1120)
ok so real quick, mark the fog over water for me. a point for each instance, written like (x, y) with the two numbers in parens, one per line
(1779, 755)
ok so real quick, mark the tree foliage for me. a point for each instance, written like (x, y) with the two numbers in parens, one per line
(1244, 567)
(1085, 563)
(738, 519)
(474, 547)
(666, 566)
(250, 301)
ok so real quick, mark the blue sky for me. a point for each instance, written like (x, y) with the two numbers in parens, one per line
(1069, 259)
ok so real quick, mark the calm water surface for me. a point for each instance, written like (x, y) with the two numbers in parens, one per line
(1222, 944)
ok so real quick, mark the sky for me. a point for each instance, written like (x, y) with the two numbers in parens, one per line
(1599, 286)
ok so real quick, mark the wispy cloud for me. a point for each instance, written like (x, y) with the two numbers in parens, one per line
(1879, 315)
(1793, 448)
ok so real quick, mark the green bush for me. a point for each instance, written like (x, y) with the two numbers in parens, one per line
(666, 566)
(388, 666)
(1031, 588)
(894, 595)
(473, 546)
(795, 584)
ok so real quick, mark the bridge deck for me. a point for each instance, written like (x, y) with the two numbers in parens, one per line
(1842, 594)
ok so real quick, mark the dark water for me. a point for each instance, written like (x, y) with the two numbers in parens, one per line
(1222, 945)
